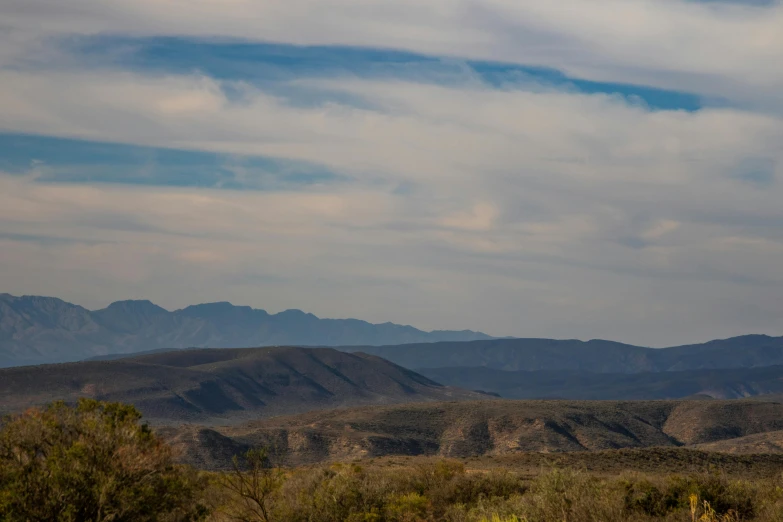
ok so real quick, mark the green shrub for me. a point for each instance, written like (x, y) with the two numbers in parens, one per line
(409, 507)
(93, 462)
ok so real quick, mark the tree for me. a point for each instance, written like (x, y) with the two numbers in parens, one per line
(94, 461)
(252, 488)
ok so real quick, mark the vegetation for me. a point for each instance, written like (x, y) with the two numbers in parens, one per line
(249, 491)
(96, 461)
(444, 490)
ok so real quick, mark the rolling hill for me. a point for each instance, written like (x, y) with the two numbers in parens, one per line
(37, 330)
(225, 385)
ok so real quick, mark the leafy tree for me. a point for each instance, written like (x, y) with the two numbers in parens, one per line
(96, 462)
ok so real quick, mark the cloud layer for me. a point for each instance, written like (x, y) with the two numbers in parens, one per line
(430, 195)
(718, 48)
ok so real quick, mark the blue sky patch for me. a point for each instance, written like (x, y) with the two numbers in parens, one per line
(76, 161)
(757, 171)
(269, 65)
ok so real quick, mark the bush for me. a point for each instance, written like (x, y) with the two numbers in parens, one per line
(571, 496)
(410, 507)
(95, 462)
(676, 493)
(335, 493)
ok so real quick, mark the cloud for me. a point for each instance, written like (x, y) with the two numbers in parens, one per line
(757, 171)
(714, 48)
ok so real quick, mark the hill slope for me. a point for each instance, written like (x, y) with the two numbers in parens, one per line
(36, 330)
(569, 384)
(769, 443)
(482, 428)
(227, 384)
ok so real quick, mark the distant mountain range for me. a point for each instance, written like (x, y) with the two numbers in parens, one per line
(743, 366)
(596, 356)
(730, 383)
(36, 330)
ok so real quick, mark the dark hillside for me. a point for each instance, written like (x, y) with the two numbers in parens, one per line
(204, 385)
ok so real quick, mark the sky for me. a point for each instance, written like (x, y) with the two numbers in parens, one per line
(571, 169)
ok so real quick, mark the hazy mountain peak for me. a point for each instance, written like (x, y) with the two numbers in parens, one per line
(129, 316)
(217, 308)
(217, 305)
(138, 306)
(44, 300)
(751, 338)
(295, 312)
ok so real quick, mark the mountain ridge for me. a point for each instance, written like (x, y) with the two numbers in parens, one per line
(39, 330)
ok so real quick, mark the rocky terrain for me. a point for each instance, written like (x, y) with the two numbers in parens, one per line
(482, 429)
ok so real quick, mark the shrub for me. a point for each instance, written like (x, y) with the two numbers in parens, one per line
(335, 493)
(95, 462)
(498, 518)
(646, 498)
(410, 507)
(571, 496)
(675, 493)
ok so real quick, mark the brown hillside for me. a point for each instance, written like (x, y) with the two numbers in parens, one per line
(769, 443)
(695, 422)
(491, 428)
